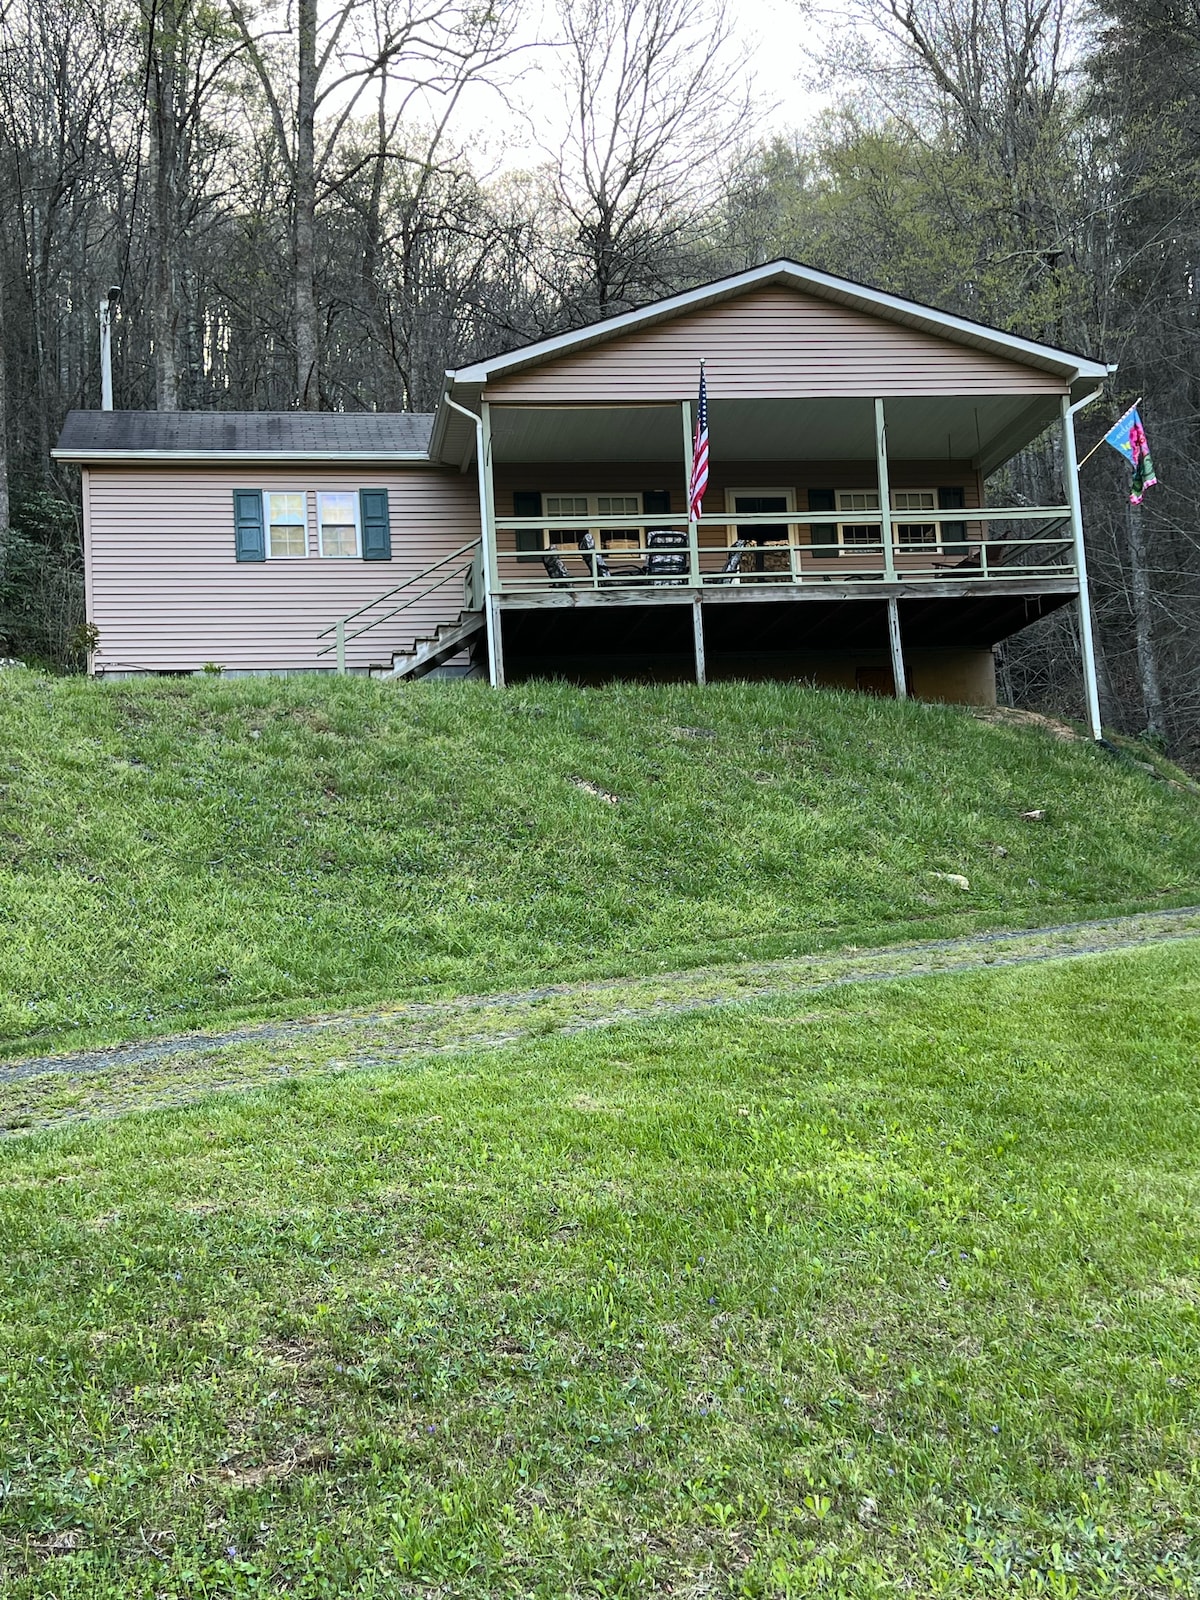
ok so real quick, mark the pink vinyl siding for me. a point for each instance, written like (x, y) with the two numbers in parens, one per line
(166, 593)
(772, 343)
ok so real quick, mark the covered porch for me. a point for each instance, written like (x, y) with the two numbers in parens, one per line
(831, 525)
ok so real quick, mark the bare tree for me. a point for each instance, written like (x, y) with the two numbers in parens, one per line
(657, 95)
(417, 47)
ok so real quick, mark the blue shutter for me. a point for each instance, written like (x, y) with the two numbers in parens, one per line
(952, 534)
(249, 535)
(823, 535)
(376, 525)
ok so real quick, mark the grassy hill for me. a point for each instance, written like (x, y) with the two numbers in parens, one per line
(178, 851)
(887, 1292)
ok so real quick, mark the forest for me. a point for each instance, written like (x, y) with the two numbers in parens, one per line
(298, 213)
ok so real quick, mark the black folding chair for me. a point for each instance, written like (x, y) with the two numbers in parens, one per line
(667, 561)
(733, 562)
(588, 544)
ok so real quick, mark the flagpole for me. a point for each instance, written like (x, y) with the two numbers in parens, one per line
(1104, 439)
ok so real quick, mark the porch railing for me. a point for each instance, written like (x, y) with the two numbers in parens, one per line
(469, 574)
(970, 550)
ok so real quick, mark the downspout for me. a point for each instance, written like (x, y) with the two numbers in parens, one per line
(489, 616)
(1087, 644)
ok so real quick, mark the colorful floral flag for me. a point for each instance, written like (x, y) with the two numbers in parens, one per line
(1128, 438)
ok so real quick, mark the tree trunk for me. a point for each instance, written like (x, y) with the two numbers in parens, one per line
(1143, 623)
(164, 150)
(308, 385)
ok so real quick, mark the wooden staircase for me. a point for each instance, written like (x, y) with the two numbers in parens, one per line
(432, 650)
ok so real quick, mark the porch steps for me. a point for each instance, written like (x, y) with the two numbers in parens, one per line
(431, 650)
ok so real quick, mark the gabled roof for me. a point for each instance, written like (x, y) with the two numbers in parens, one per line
(822, 286)
(230, 436)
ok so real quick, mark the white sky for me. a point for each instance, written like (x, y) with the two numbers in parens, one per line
(775, 32)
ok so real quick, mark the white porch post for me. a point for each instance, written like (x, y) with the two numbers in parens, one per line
(885, 494)
(487, 508)
(1087, 644)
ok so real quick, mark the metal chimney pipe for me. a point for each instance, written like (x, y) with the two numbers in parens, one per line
(107, 306)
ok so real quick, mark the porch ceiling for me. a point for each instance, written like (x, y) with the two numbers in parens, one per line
(983, 429)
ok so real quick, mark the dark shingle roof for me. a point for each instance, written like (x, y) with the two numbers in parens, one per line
(249, 433)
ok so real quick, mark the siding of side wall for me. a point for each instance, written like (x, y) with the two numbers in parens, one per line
(167, 594)
(772, 343)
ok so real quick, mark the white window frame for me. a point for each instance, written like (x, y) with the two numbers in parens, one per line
(568, 538)
(933, 545)
(266, 494)
(786, 515)
(357, 504)
(844, 521)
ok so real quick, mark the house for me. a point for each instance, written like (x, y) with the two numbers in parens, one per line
(537, 522)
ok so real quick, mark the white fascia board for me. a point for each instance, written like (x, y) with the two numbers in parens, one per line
(207, 458)
(874, 302)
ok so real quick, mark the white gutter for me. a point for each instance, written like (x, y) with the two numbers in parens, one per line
(491, 621)
(1087, 643)
(243, 457)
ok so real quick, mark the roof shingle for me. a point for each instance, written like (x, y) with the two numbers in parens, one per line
(249, 433)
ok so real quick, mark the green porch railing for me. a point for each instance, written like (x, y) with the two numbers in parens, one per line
(471, 575)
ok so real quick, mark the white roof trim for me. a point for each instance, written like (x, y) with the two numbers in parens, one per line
(822, 284)
(242, 457)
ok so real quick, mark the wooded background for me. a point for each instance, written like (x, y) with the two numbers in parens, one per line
(286, 198)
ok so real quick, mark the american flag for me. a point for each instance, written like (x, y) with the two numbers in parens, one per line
(699, 454)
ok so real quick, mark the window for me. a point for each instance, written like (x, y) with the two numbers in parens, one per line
(915, 533)
(594, 505)
(286, 516)
(337, 523)
(619, 505)
(565, 505)
(852, 533)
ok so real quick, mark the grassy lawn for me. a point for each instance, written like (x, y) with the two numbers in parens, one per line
(894, 1293)
(180, 852)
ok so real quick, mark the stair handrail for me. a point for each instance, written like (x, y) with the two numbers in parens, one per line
(338, 629)
(407, 584)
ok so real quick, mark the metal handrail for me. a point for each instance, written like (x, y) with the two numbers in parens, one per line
(407, 584)
(341, 637)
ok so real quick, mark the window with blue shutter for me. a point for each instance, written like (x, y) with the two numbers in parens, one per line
(953, 534)
(249, 534)
(376, 525)
(528, 503)
(823, 535)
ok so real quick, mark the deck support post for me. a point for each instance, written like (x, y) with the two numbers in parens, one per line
(698, 638)
(341, 644)
(885, 494)
(898, 675)
(1087, 643)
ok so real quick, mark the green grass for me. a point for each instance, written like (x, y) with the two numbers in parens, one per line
(178, 852)
(897, 1293)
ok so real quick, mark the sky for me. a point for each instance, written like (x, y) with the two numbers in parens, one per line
(775, 32)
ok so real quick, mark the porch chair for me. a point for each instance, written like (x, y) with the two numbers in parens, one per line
(588, 544)
(554, 565)
(733, 563)
(667, 561)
